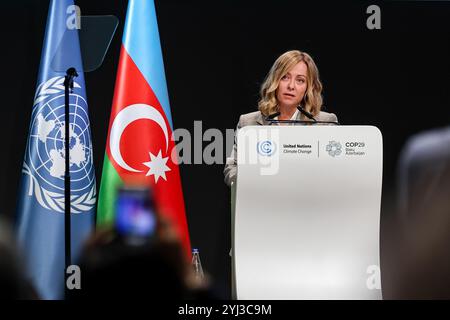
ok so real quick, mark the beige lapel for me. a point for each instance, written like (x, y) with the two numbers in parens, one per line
(261, 120)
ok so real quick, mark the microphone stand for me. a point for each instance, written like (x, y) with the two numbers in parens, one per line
(71, 73)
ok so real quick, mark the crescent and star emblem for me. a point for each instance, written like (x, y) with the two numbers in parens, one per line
(157, 164)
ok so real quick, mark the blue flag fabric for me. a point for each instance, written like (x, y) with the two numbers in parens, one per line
(40, 219)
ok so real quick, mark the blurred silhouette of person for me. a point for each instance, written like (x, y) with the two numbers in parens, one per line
(13, 283)
(113, 267)
(423, 242)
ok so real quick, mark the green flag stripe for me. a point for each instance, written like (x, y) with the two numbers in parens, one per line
(108, 192)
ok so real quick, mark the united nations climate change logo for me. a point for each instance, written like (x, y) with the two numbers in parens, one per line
(266, 148)
(334, 148)
(45, 159)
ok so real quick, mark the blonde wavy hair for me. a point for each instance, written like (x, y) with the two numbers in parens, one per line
(313, 99)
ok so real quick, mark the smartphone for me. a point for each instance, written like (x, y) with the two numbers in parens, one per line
(135, 213)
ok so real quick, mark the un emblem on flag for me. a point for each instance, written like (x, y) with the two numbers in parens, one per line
(45, 159)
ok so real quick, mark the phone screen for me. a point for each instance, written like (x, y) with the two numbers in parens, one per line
(135, 214)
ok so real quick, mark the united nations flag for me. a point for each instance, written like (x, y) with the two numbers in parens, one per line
(41, 199)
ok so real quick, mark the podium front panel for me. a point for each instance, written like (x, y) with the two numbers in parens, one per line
(307, 216)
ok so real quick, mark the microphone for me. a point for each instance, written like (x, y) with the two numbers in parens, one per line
(271, 118)
(306, 113)
(71, 73)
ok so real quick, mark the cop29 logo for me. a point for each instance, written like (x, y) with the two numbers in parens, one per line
(266, 148)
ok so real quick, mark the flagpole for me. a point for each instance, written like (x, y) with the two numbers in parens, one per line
(71, 73)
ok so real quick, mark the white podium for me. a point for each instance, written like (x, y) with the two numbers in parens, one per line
(307, 213)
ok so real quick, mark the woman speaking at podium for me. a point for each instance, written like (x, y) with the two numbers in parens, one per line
(291, 92)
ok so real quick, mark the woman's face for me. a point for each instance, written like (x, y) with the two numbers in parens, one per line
(292, 86)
